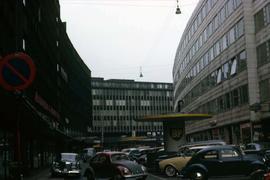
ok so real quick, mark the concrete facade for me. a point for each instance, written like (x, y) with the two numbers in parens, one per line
(222, 68)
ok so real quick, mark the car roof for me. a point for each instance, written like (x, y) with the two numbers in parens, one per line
(217, 148)
(200, 143)
(74, 154)
(111, 152)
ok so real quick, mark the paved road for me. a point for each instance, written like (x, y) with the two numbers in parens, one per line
(45, 175)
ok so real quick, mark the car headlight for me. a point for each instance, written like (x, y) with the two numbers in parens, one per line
(143, 169)
(124, 171)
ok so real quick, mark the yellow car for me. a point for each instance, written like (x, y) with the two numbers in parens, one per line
(174, 165)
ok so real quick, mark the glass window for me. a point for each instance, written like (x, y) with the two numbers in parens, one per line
(228, 153)
(203, 12)
(244, 94)
(264, 90)
(267, 12)
(201, 64)
(224, 42)
(210, 29)
(240, 28)
(211, 54)
(210, 155)
(222, 15)
(217, 49)
(259, 20)
(216, 22)
(219, 75)
(230, 7)
(242, 60)
(262, 53)
(206, 59)
(235, 97)
(233, 67)
(225, 71)
(205, 35)
(237, 3)
(231, 36)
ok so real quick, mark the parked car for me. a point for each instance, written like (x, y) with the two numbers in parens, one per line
(259, 148)
(223, 161)
(66, 164)
(153, 158)
(115, 165)
(88, 153)
(172, 166)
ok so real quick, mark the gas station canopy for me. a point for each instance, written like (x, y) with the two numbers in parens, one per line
(174, 117)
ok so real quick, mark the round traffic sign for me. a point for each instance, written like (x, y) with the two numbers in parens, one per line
(17, 71)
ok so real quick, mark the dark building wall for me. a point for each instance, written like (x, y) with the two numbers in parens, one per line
(57, 105)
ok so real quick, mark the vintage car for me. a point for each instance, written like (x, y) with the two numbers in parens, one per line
(223, 161)
(114, 165)
(172, 166)
(66, 164)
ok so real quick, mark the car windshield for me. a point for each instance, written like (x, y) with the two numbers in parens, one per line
(68, 157)
(118, 157)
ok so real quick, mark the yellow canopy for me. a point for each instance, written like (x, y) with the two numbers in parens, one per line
(174, 117)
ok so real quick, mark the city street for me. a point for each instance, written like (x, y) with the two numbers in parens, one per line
(45, 175)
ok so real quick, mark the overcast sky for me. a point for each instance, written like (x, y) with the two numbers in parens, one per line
(117, 37)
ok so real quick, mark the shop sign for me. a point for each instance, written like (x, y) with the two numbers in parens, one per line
(176, 133)
(46, 106)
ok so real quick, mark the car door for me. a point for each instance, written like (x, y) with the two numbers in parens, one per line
(99, 163)
(210, 159)
(231, 161)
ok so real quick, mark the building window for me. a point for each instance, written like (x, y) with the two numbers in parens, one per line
(264, 90)
(240, 28)
(262, 54)
(244, 94)
(231, 36)
(219, 75)
(259, 21)
(233, 67)
(235, 97)
(242, 59)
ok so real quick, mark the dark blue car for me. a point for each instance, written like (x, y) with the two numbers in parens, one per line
(222, 161)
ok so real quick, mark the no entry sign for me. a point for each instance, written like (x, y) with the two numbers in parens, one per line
(17, 71)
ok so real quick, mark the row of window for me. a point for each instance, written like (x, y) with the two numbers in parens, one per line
(108, 84)
(263, 53)
(262, 18)
(129, 93)
(226, 102)
(98, 129)
(216, 22)
(166, 108)
(226, 71)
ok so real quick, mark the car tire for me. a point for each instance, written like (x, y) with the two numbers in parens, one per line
(198, 174)
(118, 177)
(257, 175)
(90, 176)
(170, 171)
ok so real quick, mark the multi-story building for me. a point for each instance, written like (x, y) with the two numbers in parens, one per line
(118, 103)
(222, 68)
(55, 109)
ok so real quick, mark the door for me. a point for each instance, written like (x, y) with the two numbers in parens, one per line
(231, 160)
(210, 159)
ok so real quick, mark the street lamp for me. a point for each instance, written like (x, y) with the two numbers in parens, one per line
(178, 11)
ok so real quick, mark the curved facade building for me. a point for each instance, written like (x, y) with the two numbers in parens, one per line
(222, 67)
